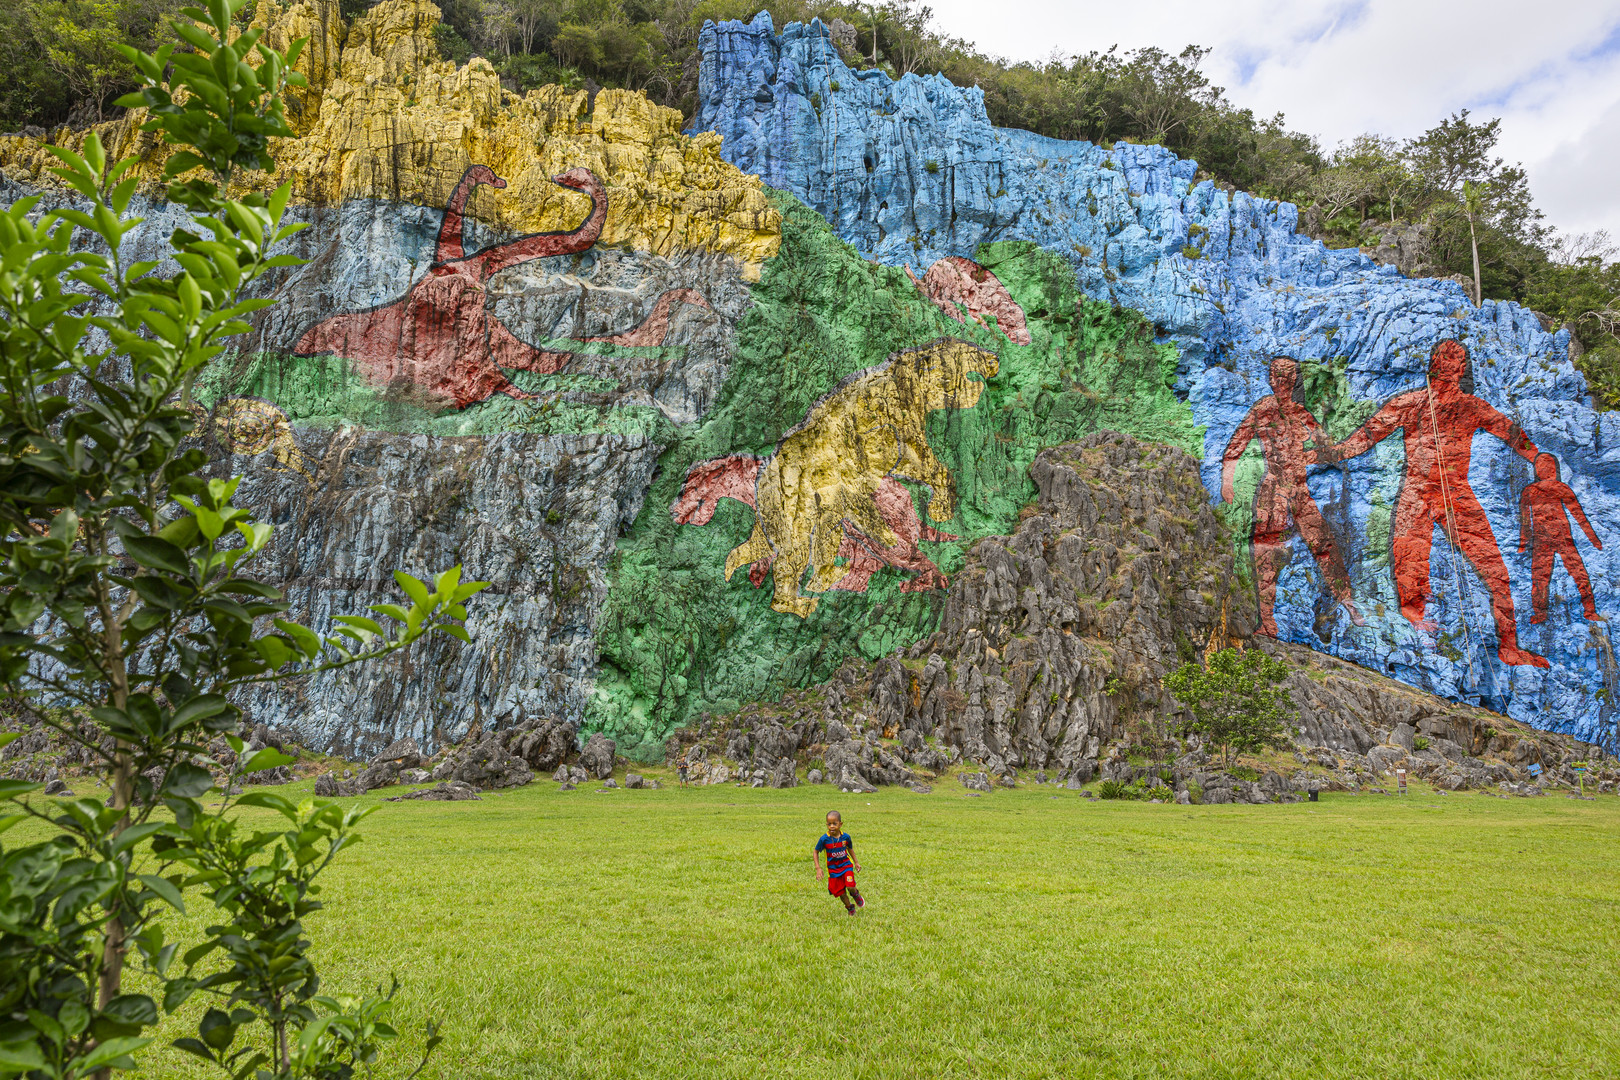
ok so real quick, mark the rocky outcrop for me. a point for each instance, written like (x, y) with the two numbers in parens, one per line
(1055, 641)
(1056, 637)
(597, 757)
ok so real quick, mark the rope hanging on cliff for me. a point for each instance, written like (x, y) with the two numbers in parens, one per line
(1451, 528)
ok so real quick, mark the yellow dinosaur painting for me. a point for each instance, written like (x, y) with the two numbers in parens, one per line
(826, 470)
(248, 425)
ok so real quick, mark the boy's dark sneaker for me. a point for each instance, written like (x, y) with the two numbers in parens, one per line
(850, 910)
(861, 902)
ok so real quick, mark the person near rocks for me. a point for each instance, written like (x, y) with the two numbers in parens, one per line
(841, 863)
(1285, 429)
(1438, 424)
(680, 769)
(1544, 529)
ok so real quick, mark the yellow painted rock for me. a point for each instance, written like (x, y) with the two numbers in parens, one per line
(385, 118)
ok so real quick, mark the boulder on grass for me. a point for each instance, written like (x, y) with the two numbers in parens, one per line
(449, 791)
(975, 781)
(597, 756)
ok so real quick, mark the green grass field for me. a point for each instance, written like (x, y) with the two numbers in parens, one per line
(682, 933)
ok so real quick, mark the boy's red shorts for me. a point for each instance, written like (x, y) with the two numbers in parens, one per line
(837, 885)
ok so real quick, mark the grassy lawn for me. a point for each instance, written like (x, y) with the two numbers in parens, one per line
(682, 933)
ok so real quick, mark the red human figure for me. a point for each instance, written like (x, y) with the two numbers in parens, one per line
(441, 335)
(1438, 425)
(735, 476)
(1285, 427)
(1544, 528)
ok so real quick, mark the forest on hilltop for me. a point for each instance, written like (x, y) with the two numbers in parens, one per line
(1475, 214)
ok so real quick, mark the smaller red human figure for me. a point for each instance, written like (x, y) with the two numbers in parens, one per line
(1285, 427)
(735, 477)
(1544, 528)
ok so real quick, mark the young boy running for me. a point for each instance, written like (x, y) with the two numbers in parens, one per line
(841, 863)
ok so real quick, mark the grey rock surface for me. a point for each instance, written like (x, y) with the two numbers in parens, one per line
(536, 516)
(449, 791)
(597, 756)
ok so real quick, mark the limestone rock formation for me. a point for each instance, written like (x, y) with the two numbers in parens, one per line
(385, 119)
(911, 171)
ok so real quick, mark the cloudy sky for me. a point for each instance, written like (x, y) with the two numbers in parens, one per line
(1549, 69)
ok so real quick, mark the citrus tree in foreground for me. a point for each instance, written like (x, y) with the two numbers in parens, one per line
(129, 612)
(1236, 702)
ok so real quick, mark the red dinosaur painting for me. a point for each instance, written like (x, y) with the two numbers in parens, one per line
(955, 280)
(734, 477)
(651, 330)
(1544, 528)
(1285, 429)
(441, 335)
(1438, 424)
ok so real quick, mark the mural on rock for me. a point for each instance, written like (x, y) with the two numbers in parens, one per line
(1438, 425)
(1291, 441)
(834, 350)
(607, 365)
(737, 476)
(441, 336)
(826, 473)
(910, 172)
(248, 425)
(955, 280)
(509, 301)
(1544, 511)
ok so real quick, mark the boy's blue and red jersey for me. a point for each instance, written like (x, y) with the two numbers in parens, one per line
(838, 863)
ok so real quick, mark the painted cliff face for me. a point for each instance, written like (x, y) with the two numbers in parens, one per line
(445, 339)
(829, 499)
(1438, 423)
(1349, 556)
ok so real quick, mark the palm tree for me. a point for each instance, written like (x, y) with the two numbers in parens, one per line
(1471, 206)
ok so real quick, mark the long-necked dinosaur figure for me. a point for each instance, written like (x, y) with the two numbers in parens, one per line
(441, 335)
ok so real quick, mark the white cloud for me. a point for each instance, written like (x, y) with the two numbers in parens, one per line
(1551, 71)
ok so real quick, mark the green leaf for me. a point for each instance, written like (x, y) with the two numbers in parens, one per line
(274, 650)
(157, 554)
(182, 532)
(268, 758)
(194, 1047)
(166, 889)
(135, 834)
(188, 781)
(417, 591)
(10, 789)
(200, 708)
(455, 631)
(270, 801)
(360, 622)
(20, 1057)
(9, 737)
(446, 583)
(109, 1052)
(302, 636)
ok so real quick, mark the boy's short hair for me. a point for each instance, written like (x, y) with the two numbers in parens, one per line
(836, 814)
